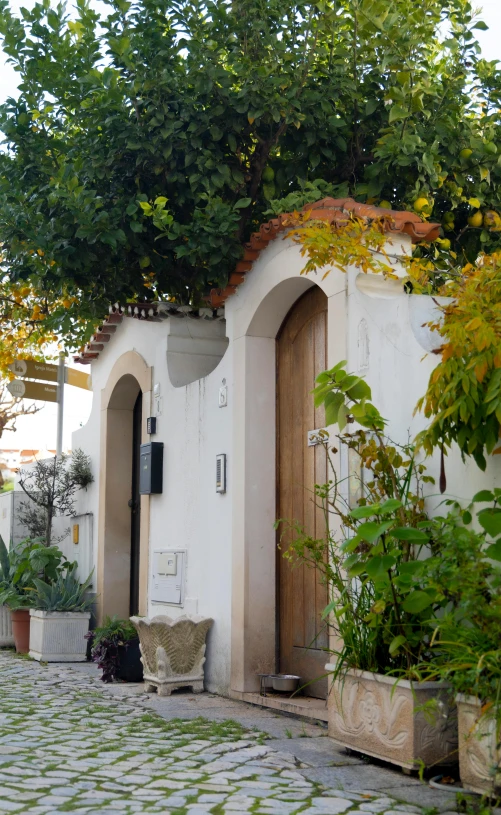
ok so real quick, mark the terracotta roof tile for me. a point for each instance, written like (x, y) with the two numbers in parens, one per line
(151, 312)
(332, 210)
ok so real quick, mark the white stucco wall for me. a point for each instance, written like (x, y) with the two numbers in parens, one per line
(188, 514)
(229, 539)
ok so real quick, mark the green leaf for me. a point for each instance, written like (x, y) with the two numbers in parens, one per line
(379, 565)
(342, 416)
(408, 533)
(483, 495)
(494, 551)
(397, 112)
(365, 512)
(490, 520)
(416, 601)
(360, 390)
(371, 530)
(243, 203)
(396, 644)
(333, 402)
(391, 505)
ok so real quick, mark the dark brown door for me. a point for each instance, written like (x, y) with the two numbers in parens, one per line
(302, 596)
(135, 506)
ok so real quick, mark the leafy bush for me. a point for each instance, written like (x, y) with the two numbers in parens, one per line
(411, 595)
(466, 650)
(22, 565)
(107, 642)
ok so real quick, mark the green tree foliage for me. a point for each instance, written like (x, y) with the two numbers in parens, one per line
(144, 147)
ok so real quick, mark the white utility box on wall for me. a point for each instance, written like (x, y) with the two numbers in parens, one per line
(167, 579)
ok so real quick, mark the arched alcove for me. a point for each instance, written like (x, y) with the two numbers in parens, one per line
(254, 468)
(129, 377)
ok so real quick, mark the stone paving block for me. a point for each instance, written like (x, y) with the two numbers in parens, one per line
(367, 777)
(318, 752)
(77, 750)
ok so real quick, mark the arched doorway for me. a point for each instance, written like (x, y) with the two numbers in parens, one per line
(135, 506)
(123, 531)
(301, 595)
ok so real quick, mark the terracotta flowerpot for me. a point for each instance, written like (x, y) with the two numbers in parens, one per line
(21, 629)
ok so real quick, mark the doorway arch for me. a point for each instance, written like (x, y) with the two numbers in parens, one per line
(302, 594)
(254, 642)
(130, 378)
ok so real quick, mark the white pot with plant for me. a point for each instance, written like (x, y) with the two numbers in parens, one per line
(60, 619)
(379, 556)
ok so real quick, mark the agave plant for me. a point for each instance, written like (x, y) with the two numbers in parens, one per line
(66, 593)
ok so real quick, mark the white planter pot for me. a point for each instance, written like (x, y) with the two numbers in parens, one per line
(58, 636)
(6, 638)
(479, 751)
(371, 713)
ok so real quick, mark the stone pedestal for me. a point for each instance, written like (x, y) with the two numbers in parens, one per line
(172, 652)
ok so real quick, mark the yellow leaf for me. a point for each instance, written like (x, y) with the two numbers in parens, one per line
(250, 119)
(473, 324)
(481, 370)
(474, 202)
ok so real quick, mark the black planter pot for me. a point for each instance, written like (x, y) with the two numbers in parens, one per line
(130, 668)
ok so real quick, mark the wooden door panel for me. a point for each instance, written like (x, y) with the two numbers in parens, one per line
(301, 356)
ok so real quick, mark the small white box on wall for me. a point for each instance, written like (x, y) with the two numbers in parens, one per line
(168, 576)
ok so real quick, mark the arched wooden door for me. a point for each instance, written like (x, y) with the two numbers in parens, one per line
(302, 596)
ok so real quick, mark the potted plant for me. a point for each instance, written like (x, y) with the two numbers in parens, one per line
(376, 555)
(20, 566)
(60, 618)
(466, 646)
(115, 648)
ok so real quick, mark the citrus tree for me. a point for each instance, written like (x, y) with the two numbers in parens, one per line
(143, 148)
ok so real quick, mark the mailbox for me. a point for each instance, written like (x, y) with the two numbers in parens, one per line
(150, 479)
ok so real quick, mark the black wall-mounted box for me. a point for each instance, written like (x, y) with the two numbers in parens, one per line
(151, 473)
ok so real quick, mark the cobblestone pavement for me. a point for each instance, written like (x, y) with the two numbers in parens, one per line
(69, 744)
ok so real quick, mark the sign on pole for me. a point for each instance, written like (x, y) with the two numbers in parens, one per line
(30, 369)
(33, 390)
(35, 370)
(79, 379)
(48, 372)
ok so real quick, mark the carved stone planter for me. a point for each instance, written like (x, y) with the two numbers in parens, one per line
(173, 652)
(479, 750)
(369, 713)
(6, 636)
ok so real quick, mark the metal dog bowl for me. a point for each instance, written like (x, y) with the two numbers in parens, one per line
(286, 683)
